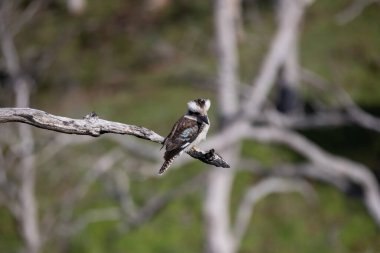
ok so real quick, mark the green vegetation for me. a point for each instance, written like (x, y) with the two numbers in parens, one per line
(132, 67)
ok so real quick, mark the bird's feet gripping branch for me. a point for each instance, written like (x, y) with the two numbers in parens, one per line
(187, 132)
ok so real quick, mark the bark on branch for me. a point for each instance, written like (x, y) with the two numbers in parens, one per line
(94, 126)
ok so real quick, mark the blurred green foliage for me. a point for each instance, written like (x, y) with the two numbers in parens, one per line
(137, 67)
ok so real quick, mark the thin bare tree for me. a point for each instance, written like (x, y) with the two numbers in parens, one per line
(26, 213)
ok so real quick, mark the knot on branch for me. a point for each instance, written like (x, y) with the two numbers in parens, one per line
(210, 154)
(91, 116)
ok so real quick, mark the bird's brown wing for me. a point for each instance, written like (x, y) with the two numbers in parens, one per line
(183, 134)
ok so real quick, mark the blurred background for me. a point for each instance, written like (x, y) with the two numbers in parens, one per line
(301, 75)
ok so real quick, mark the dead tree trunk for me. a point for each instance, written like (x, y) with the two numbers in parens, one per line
(290, 16)
(76, 7)
(288, 99)
(27, 211)
(219, 238)
(28, 203)
(27, 217)
(219, 235)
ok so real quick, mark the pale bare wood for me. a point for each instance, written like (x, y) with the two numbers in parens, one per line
(290, 15)
(219, 237)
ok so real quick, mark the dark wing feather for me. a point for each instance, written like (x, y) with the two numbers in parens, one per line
(183, 133)
(171, 133)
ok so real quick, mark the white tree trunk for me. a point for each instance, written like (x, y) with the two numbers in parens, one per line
(219, 238)
(290, 14)
(28, 203)
(76, 7)
(288, 100)
(225, 27)
(28, 218)
(217, 213)
(291, 71)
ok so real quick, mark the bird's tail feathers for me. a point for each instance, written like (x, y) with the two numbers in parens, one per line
(166, 165)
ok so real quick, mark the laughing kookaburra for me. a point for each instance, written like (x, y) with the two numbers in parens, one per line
(187, 132)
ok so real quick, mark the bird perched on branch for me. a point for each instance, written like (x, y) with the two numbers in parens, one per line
(187, 132)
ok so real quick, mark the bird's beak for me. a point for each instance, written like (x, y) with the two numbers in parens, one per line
(204, 119)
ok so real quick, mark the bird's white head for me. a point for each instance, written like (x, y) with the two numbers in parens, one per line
(199, 106)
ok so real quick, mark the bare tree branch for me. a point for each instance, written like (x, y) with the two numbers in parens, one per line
(120, 188)
(303, 170)
(261, 190)
(66, 210)
(30, 11)
(303, 121)
(101, 166)
(357, 114)
(94, 126)
(352, 112)
(290, 15)
(143, 214)
(353, 10)
(89, 125)
(91, 216)
(138, 149)
(156, 203)
(354, 171)
(55, 146)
